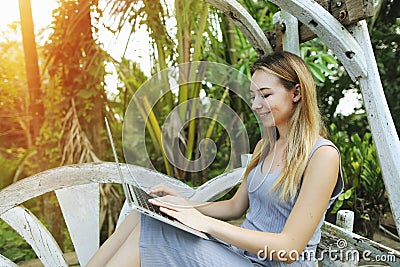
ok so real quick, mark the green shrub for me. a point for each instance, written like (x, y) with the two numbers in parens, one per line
(364, 191)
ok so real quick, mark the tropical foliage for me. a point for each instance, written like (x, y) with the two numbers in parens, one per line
(365, 190)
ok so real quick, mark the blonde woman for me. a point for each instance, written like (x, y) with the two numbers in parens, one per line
(291, 181)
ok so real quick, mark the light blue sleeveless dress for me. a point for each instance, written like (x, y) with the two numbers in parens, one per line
(165, 245)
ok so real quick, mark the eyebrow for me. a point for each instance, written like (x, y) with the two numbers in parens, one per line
(262, 88)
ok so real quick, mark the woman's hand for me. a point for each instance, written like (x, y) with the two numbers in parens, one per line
(163, 190)
(180, 209)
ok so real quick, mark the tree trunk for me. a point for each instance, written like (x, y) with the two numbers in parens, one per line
(32, 67)
(92, 56)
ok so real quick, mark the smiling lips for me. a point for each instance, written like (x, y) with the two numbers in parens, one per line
(264, 114)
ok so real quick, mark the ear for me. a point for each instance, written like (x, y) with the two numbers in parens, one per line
(296, 93)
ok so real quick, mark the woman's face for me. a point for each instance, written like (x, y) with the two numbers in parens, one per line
(271, 100)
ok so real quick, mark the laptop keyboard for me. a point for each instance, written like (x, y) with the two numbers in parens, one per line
(143, 199)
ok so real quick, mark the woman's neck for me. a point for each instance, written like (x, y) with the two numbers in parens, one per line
(283, 134)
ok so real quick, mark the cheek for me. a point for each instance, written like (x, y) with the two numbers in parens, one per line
(283, 109)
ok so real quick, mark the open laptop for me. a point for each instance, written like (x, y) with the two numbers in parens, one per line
(137, 198)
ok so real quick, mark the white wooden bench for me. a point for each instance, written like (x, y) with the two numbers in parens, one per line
(77, 191)
(349, 249)
(81, 212)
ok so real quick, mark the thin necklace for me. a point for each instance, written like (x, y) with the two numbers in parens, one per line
(265, 176)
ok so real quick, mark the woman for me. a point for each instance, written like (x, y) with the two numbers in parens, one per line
(292, 179)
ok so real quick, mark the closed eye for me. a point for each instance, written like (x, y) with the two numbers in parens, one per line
(262, 95)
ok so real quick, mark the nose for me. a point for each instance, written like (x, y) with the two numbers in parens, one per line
(256, 103)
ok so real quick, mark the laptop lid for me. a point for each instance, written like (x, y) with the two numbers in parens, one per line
(123, 182)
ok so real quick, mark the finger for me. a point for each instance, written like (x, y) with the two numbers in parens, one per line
(169, 212)
(159, 202)
(159, 189)
(166, 202)
(154, 189)
(155, 201)
(155, 193)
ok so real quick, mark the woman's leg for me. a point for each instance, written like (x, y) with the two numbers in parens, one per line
(164, 245)
(116, 240)
(128, 253)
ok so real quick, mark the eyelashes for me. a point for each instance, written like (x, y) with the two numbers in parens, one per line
(263, 96)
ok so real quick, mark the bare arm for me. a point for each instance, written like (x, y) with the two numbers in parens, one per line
(230, 209)
(321, 174)
(223, 210)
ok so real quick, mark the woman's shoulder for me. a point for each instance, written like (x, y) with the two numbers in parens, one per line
(327, 156)
(323, 157)
(324, 149)
(326, 143)
(326, 152)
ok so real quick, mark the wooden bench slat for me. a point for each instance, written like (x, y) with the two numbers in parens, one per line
(80, 206)
(212, 189)
(5, 262)
(336, 238)
(36, 235)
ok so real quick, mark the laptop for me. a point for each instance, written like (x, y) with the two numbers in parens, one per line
(137, 198)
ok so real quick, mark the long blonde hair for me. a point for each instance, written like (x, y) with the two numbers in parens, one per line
(305, 124)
